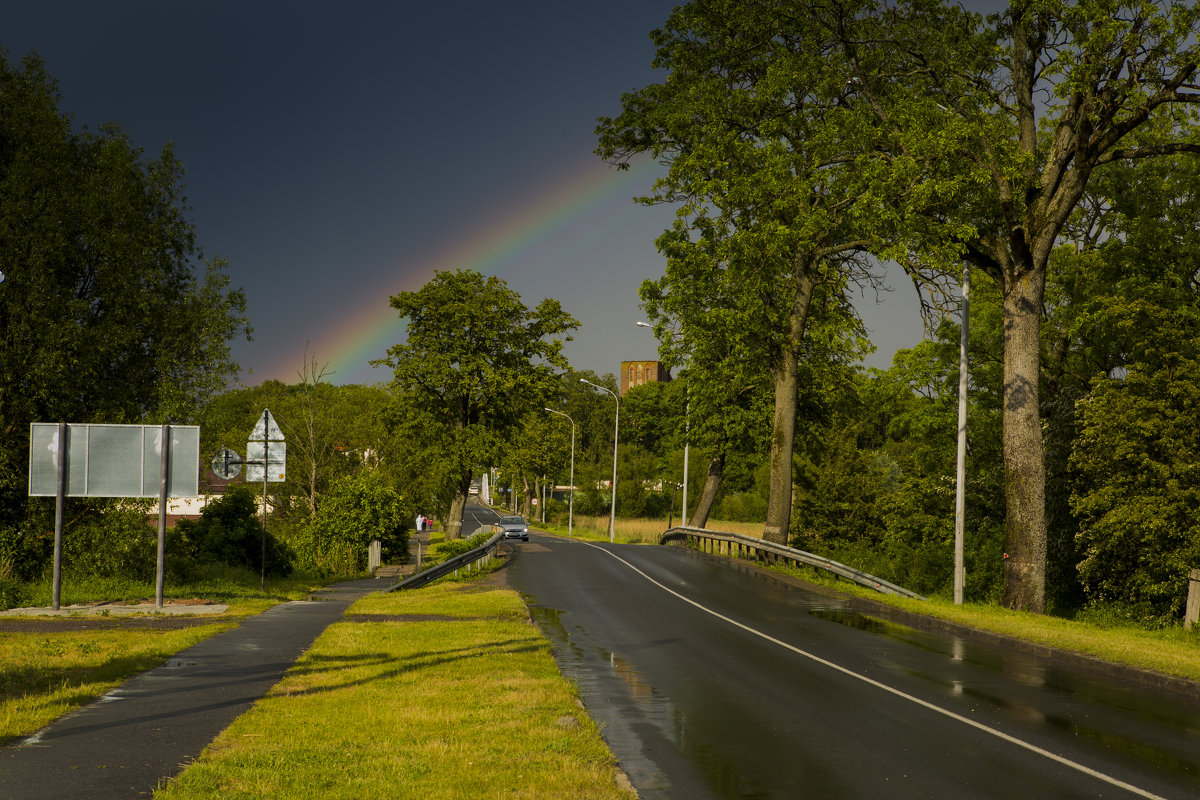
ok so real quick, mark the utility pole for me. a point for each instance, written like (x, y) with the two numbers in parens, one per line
(960, 494)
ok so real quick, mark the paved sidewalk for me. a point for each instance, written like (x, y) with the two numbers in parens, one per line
(129, 741)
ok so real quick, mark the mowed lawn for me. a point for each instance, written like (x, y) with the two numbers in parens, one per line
(48, 674)
(443, 692)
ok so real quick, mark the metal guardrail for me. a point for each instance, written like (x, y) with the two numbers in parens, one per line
(472, 559)
(737, 546)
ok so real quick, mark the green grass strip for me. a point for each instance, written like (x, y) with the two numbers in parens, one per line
(47, 674)
(55, 670)
(443, 692)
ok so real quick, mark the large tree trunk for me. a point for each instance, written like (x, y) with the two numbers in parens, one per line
(526, 499)
(708, 495)
(785, 370)
(458, 504)
(1024, 454)
(454, 521)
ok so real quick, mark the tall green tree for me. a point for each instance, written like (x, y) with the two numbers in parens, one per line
(358, 509)
(1122, 323)
(1008, 120)
(103, 317)
(537, 449)
(1137, 492)
(761, 146)
(475, 361)
(727, 391)
(593, 414)
(875, 483)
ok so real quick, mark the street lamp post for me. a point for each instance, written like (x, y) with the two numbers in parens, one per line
(687, 431)
(612, 512)
(571, 493)
(960, 491)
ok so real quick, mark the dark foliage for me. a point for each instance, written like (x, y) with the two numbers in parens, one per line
(230, 532)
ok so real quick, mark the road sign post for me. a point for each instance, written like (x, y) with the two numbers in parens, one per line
(165, 469)
(60, 498)
(267, 439)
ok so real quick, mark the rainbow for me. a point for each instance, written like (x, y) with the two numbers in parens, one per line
(574, 210)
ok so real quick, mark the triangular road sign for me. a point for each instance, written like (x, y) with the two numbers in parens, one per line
(266, 425)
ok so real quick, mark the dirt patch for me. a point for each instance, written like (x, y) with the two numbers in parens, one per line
(94, 623)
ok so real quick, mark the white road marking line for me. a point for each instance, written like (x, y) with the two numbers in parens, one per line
(1066, 762)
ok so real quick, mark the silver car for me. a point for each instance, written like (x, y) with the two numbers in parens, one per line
(515, 528)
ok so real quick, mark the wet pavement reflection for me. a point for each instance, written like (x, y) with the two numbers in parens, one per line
(1139, 728)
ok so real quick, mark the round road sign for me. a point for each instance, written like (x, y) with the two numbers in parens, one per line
(227, 464)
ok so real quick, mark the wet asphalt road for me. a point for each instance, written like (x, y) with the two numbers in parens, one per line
(714, 681)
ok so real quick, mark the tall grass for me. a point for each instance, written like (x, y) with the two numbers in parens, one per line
(641, 530)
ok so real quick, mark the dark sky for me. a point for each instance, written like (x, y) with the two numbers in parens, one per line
(339, 153)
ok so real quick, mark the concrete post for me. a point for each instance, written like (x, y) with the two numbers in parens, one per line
(1192, 615)
(375, 555)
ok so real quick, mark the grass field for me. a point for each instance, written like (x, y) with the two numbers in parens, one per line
(444, 692)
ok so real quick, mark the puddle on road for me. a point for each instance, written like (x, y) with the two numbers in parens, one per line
(634, 716)
(638, 722)
(586, 670)
(1074, 688)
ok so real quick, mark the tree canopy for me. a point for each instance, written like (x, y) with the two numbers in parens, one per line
(798, 136)
(1006, 121)
(103, 317)
(761, 149)
(475, 361)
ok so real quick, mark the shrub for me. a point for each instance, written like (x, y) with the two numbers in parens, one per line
(28, 544)
(228, 532)
(1137, 493)
(742, 507)
(12, 593)
(359, 509)
(121, 542)
(450, 548)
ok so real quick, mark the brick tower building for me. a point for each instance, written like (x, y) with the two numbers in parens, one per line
(635, 373)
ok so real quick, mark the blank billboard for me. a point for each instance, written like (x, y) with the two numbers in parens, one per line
(114, 460)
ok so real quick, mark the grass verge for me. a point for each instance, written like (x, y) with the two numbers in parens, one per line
(240, 589)
(46, 675)
(444, 692)
(57, 668)
(638, 531)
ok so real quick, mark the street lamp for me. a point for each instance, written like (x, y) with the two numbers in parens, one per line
(687, 430)
(612, 513)
(960, 491)
(571, 494)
